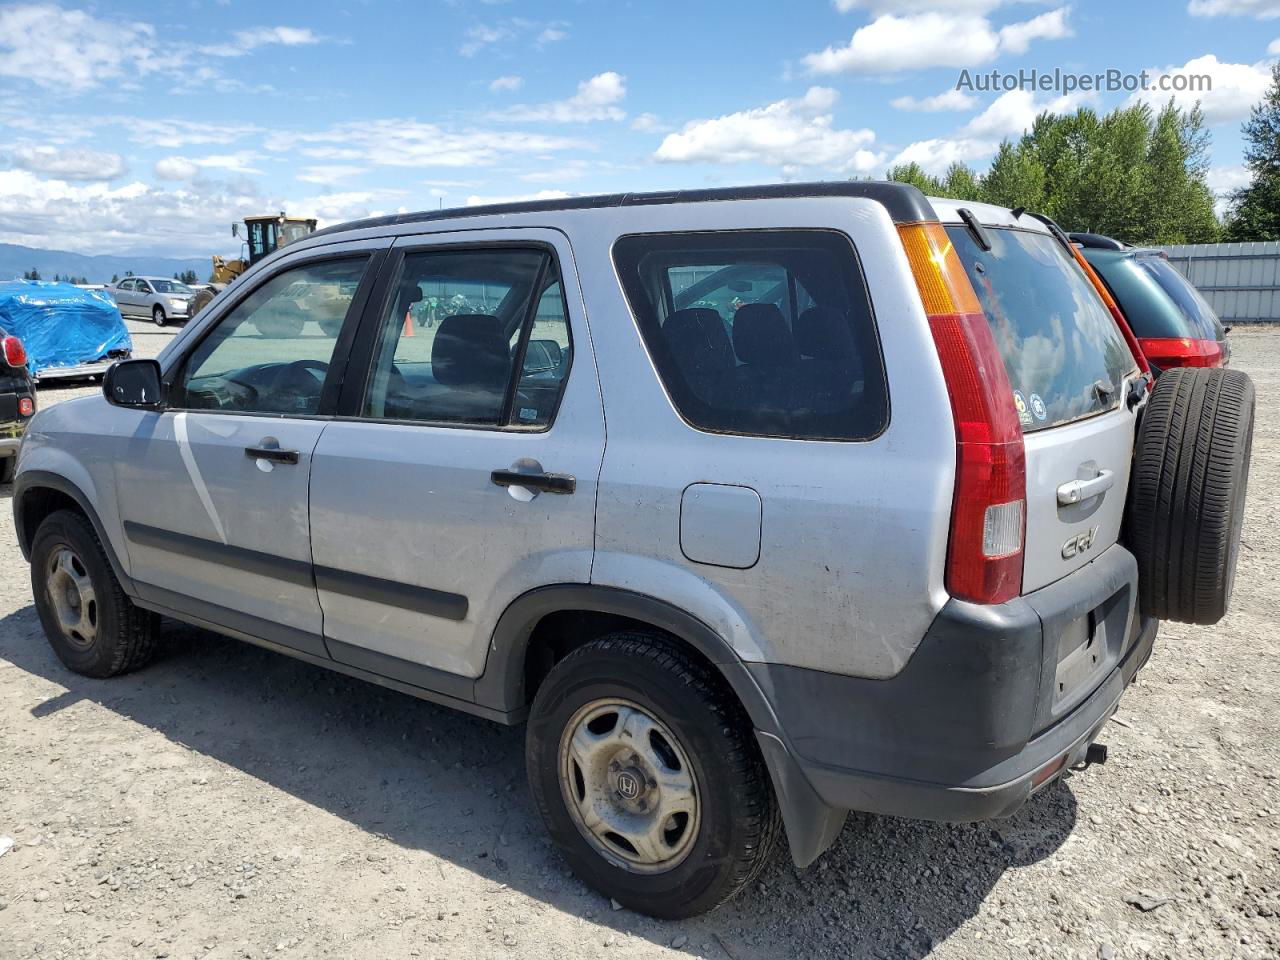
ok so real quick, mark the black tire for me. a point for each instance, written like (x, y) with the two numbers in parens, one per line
(737, 822)
(125, 635)
(6, 468)
(1186, 502)
(199, 302)
(157, 315)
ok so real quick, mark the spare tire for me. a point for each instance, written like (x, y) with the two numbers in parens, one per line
(1186, 499)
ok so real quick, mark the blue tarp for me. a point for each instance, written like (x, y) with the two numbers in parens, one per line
(62, 325)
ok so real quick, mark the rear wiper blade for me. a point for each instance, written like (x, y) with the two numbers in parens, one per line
(979, 232)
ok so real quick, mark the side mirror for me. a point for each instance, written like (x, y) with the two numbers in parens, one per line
(542, 355)
(135, 384)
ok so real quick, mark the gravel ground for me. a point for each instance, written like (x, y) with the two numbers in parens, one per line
(229, 802)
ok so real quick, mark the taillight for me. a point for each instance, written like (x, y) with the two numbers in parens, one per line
(26, 406)
(1182, 352)
(988, 516)
(1139, 355)
(15, 354)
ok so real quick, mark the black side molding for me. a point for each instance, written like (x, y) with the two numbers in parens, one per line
(406, 596)
(211, 551)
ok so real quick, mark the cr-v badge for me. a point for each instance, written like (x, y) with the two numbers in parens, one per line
(1079, 543)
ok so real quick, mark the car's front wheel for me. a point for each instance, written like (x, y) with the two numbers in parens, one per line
(93, 627)
(157, 315)
(647, 775)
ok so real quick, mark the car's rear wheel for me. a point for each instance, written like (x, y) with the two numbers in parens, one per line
(648, 777)
(93, 627)
(157, 315)
(1186, 502)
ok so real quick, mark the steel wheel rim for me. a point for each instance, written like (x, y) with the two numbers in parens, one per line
(71, 593)
(629, 786)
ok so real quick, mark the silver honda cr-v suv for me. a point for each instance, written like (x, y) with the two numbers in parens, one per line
(758, 505)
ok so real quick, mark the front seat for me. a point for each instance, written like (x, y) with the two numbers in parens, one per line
(471, 358)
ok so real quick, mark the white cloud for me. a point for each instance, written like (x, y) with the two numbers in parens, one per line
(190, 220)
(1017, 37)
(485, 35)
(947, 100)
(1224, 181)
(932, 39)
(395, 142)
(649, 123)
(596, 99)
(1259, 9)
(1012, 113)
(550, 35)
(186, 168)
(508, 83)
(175, 168)
(1009, 115)
(70, 50)
(1274, 47)
(341, 206)
(476, 200)
(71, 163)
(1236, 87)
(244, 41)
(917, 6)
(938, 153)
(175, 134)
(792, 134)
(329, 173)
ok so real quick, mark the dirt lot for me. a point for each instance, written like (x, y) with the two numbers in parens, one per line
(228, 802)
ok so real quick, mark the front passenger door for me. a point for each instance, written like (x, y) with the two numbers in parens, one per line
(213, 490)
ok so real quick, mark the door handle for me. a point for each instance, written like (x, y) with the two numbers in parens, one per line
(1078, 491)
(274, 454)
(550, 482)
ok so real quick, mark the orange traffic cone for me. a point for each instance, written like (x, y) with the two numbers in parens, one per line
(408, 323)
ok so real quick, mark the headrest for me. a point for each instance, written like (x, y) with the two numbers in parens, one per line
(698, 339)
(761, 336)
(823, 333)
(470, 351)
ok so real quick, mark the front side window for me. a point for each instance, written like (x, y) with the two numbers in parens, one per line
(459, 325)
(271, 354)
(760, 333)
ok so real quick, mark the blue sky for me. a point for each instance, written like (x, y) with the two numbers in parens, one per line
(132, 127)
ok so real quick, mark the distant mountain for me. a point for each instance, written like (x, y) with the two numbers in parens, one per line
(16, 260)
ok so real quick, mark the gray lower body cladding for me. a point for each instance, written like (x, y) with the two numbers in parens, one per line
(990, 697)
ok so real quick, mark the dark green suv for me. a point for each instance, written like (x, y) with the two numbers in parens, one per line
(1174, 324)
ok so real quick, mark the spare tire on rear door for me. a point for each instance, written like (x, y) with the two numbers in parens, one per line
(1186, 502)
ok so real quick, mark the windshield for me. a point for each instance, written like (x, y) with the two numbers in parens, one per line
(1065, 355)
(170, 286)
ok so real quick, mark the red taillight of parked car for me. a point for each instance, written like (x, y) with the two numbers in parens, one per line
(26, 406)
(988, 515)
(1182, 352)
(15, 354)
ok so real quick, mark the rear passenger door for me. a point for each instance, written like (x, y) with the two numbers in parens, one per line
(473, 372)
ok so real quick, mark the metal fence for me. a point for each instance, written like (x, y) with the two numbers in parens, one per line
(1240, 280)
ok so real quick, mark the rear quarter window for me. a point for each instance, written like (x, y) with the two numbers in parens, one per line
(759, 333)
(1065, 356)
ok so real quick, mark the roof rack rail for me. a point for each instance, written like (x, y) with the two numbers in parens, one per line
(1097, 241)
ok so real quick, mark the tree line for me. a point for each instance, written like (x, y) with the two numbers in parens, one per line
(1136, 174)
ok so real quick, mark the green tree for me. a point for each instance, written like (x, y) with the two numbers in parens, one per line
(115, 278)
(32, 274)
(1255, 209)
(914, 174)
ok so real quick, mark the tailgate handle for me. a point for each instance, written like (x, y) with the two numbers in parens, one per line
(1078, 491)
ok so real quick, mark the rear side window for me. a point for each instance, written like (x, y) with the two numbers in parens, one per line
(1065, 355)
(760, 333)
(1157, 300)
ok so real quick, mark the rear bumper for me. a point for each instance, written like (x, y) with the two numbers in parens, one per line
(991, 698)
(9, 445)
(80, 371)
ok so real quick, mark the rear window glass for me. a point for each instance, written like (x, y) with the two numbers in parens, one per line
(761, 333)
(1065, 355)
(1157, 300)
